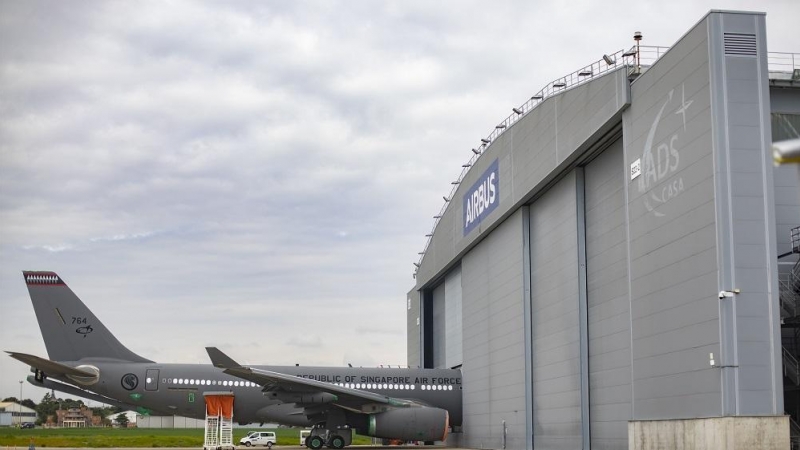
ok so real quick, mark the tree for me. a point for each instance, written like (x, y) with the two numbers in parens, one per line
(46, 408)
(105, 412)
(50, 404)
(122, 420)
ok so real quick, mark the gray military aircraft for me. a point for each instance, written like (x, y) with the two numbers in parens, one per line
(86, 360)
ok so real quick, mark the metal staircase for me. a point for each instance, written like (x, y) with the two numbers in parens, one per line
(794, 434)
(789, 285)
(788, 300)
(791, 367)
(789, 295)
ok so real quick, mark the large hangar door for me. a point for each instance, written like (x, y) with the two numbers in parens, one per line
(452, 319)
(447, 335)
(607, 299)
(555, 344)
(438, 329)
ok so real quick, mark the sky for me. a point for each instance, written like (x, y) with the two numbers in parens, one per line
(260, 176)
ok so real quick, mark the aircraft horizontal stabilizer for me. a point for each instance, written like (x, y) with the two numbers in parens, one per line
(72, 390)
(51, 368)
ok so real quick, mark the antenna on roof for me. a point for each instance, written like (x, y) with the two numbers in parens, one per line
(637, 36)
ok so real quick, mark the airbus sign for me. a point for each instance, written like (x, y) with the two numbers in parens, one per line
(482, 198)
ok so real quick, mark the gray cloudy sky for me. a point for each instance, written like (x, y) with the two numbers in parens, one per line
(260, 176)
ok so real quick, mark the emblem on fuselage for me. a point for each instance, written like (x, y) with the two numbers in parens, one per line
(129, 381)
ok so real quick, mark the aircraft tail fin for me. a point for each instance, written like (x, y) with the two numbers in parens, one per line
(71, 332)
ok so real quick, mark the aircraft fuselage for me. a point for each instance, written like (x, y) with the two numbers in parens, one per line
(179, 388)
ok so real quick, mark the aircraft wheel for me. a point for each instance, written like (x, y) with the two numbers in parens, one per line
(336, 442)
(314, 442)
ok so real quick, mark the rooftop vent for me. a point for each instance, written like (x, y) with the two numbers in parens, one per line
(739, 44)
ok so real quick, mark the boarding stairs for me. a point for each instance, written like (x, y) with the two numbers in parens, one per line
(219, 421)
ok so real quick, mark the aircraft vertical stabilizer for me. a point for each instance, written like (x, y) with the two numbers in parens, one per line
(71, 332)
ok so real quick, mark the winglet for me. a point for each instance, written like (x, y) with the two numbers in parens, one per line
(221, 360)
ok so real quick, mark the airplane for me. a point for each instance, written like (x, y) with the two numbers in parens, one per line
(86, 360)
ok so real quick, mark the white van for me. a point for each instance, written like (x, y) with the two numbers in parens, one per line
(266, 438)
(303, 435)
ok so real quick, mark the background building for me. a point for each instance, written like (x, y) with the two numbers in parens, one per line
(608, 264)
(77, 418)
(13, 414)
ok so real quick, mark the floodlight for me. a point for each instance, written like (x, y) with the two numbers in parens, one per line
(476, 151)
(536, 97)
(518, 110)
(585, 73)
(609, 60)
(559, 85)
(485, 141)
(445, 199)
(466, 165)
(455, 182)
(501, 126)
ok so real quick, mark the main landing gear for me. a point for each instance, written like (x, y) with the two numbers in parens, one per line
(320, 437)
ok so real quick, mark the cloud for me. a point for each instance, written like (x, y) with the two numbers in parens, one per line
(50, 248)
(377, 330)
(312, 341)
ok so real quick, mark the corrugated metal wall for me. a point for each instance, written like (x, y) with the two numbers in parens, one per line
(608, 301)
(494, 366)
(554, 318)
(673, 236)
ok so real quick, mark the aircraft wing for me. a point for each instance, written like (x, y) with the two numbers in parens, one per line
(346, 397)
(51, 368)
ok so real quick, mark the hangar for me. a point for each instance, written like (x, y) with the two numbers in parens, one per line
(614, 265)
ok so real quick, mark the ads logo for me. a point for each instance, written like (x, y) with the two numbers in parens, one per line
(660, 161)
(130, 381)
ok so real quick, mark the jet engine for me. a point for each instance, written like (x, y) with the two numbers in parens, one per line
(410, 424)
(92, 375)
